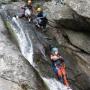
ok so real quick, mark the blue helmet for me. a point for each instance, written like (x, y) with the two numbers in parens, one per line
(54, 49)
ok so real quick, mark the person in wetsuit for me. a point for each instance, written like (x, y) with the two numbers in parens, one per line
(58, 66)
(41, 18)
(27, 10)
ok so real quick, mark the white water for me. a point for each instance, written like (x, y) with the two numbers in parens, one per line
(53, 84)
(25, 45)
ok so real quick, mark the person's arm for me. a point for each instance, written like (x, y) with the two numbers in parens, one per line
(33, 10)
(62, 61)
(23, 7)
(51, 57)
(61, 58)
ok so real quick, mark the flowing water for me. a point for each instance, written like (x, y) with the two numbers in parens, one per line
(54, 84)
(24, 41)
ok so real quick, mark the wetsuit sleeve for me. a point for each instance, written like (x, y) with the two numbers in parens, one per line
(23, 7)
(61, 58)
(62, 61)
(51, 57)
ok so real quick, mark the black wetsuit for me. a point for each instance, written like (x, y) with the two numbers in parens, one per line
(44, 20)
(56, 66)
(57, 62)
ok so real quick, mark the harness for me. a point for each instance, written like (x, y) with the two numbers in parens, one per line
(57, 63)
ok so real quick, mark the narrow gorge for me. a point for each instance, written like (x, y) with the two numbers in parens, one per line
(24, 56)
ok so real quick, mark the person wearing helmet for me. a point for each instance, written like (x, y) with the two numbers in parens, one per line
(39, 9)
(29, 5)
(27, 10)
(58, 65)
(41, 18)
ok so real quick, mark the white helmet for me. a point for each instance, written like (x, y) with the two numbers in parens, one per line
(39, 9)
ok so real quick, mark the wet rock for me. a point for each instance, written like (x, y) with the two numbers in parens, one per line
(72, 24)
(80, 66)
(5, 1)
(79, 39)
(57, 11)
(67, 17)
(9, 85)
(14, 67)
(82, 7)
(8, 1)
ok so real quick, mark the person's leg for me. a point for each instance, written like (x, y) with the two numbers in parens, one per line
(60, 79)
(36, 22)
(54, 70)
(60, 76)
(44, 23)
(65, 77)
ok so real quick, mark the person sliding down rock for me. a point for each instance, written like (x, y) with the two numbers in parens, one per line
(58, 66)
(27, 11)
(41, 19)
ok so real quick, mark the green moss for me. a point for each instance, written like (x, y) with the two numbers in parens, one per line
(11, 31)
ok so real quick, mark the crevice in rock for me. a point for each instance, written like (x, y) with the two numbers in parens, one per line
(9, 80)
(77, 23)
(22, 85)
(81, 50)
(66, 37)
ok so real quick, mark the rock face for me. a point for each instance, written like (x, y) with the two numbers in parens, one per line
(8, 1)
(5, 84)
(66, 16)
(17, 70)
(69, 18)
(14, 69)
(5, 1)
(80, 40)
(73, 22)
(81, 13)
(82, 7)
(57, 11)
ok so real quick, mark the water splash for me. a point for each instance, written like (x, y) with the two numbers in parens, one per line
(53, 84)
(25, 43)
